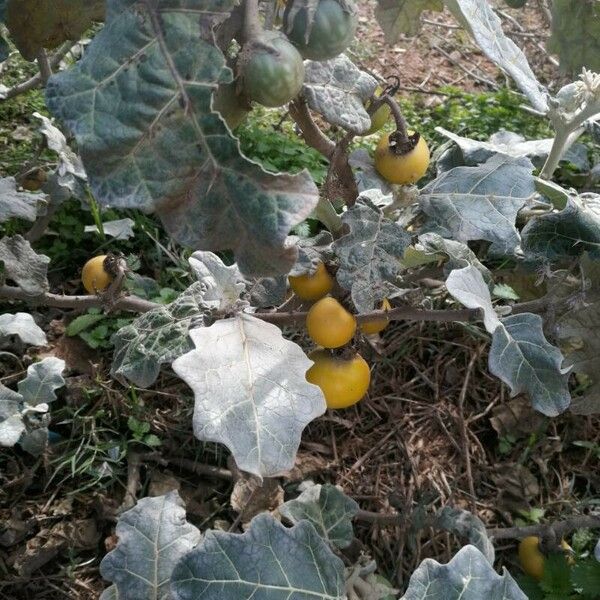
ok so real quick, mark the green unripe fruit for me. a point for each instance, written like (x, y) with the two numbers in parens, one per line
(271, 70)
(332, 30)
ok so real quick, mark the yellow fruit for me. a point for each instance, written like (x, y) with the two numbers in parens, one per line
(312, 287)
(343, 381)
(373, 327)
(381, 116)
(531, 557)
(402, 169)
(94, 276)
(329, 324)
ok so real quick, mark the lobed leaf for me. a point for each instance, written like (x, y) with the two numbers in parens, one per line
(15, 204)
(328, 509)
(153, 536)
(158, 337)
(570, 232)
(338, 90)
(467, 525)
(250, 392)
(155, 67)
(470, 289)
(42, 379)
(480, 20)
(23, 266)
(369, 255)
(468, 576)
(480, 203)
(267, 562)
(23, 326)
(522, 357)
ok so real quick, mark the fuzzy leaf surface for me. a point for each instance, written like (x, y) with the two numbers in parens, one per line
(468, 576)
(15, 204)
(42, 380)
(23, 266)
(570, 232)
(23, 326)
(480, 20)
(153, 536)
(338, 90)
(522, 357)
(268, 562)
(158, 337)
(370, 255)
(154, 66)
(250, 392)
(328, 509)
(480, 203)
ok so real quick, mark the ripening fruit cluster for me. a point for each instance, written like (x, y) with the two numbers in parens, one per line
(344, 380)
(533, 560)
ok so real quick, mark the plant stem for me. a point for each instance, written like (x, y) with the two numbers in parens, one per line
(44, 66)
(252, 25)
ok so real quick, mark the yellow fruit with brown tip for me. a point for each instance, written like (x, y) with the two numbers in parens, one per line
(373, 327)
(94, 276)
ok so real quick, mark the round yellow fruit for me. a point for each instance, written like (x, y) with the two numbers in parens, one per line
(531, 557)
(401, 169)
(312, 287)
(373, 327)
(94, 276)
(329, 324)
(343, 381)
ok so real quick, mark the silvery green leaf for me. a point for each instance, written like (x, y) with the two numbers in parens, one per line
(575, 35)
(267, 562)
(369, 256)
(11, 417)
(480, 20)
(468, 576)
(504, 291)
(43, 378)
(523, 359)
(474, 152)
(480, 203)
(179, 159)
(158, 337)
(580, 327)
(223, 284)
(11, 428)
(403, 16)
(469, 287)
(35, 441)
(23, 326)
(554, 192)
(110, 593)
(311, 252)
(69, 164)
(267, 291)
(153, 536)
(570, 232)
(466, 525)
(338, 90)
(328, 509)
(121, 229)
(17, 205)
(365, 174)
(250, 392)
(23, 266)
(459, 254)
(60, 189)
